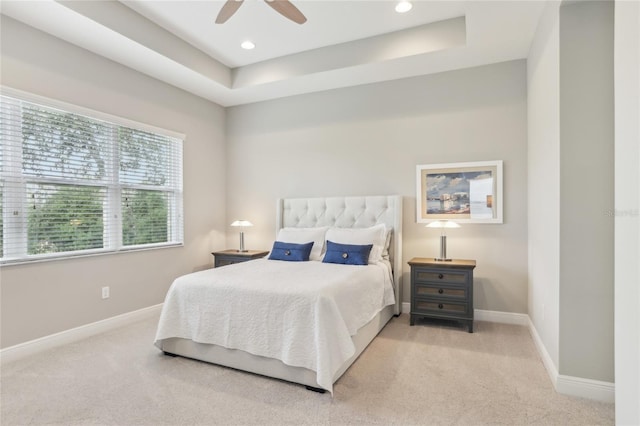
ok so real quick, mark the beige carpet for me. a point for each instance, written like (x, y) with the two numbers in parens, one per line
(429, 374)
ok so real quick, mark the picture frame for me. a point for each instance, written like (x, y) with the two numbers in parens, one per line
(460, 192)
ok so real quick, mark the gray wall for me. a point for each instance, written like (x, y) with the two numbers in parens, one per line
(570, 166)
(47, 297)
(543, 97)
(586, 190)
(369, 139)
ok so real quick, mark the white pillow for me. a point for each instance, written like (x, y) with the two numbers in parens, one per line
(305, 235)
(376, 235)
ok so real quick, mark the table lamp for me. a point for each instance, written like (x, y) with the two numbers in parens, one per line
(443, 224)
(242, 224)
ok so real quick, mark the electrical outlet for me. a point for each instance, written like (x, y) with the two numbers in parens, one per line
(105, 292)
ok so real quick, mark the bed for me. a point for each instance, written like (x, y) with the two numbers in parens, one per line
(227, 316)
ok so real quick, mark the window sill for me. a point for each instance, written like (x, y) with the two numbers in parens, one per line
(67, 256)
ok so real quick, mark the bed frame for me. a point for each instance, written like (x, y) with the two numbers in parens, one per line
(343, 212)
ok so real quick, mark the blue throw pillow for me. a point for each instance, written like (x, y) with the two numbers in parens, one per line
(347, 254)
(290, 251)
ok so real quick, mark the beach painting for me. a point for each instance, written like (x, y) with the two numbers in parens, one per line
(462, 192)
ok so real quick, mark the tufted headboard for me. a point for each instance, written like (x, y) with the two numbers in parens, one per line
(349, 212)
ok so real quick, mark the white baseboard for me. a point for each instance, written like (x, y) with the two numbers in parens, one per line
(501, 317)
(570, 385)
(586, 388)
(552, 371)
(31, 347)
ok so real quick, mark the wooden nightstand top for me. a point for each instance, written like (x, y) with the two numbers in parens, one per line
(234, 252)
(432, 262)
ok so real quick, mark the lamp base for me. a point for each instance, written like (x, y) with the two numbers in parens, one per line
(443, 250)
(242, 249)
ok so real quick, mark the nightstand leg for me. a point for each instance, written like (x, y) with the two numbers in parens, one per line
(412, 320)
(470, 326)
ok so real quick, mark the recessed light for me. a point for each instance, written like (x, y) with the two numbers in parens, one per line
(248, 45)
(403, 6)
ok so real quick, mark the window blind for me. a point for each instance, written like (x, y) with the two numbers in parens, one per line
(75, 184)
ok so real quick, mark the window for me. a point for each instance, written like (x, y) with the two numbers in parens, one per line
(76, 182)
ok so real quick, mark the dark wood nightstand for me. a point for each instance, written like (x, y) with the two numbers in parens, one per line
(227, 257)
(442, 289)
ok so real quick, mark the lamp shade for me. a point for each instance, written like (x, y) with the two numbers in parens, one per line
(241, 223)
(443, 224)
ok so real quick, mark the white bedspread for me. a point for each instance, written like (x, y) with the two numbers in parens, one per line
(302, 313)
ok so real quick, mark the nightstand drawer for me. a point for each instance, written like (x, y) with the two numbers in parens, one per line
(440, 276)
(451, 292)
(224, 262)
(440, 307)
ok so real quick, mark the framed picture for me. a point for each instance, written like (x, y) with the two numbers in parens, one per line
(462, 192)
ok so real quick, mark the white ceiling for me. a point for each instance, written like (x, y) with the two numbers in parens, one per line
(343, 43)
(329, 22)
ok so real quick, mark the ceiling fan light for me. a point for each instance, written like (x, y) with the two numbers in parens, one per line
(403, 6)
(247, 45)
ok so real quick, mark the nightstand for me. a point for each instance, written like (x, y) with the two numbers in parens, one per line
(228, 257)
(442, 289)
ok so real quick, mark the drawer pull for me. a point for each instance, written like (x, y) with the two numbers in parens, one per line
(440, 291)
(440, 276)
(440, 306)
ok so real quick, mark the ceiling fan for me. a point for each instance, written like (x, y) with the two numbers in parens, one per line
(283, 7)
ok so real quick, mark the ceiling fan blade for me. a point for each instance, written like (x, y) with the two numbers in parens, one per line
(229, 8)
(288, 10)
